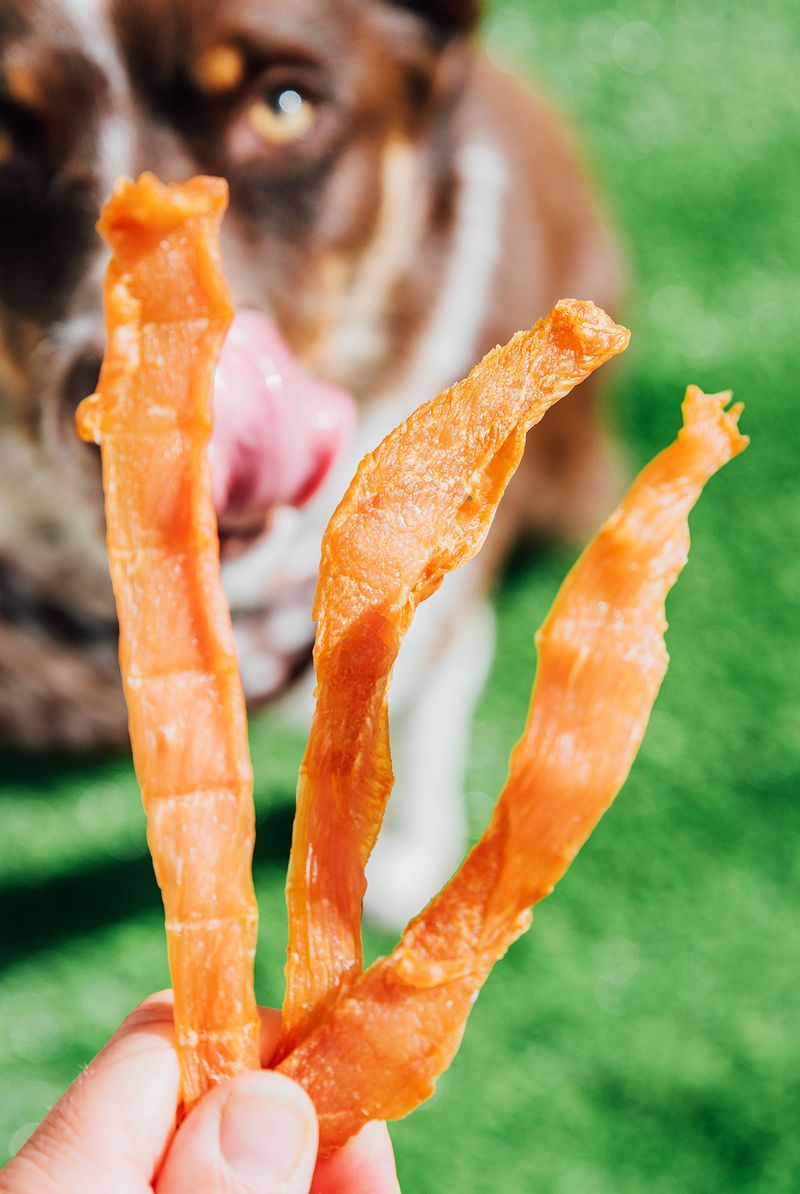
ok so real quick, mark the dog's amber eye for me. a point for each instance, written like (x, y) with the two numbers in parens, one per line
(283, 115)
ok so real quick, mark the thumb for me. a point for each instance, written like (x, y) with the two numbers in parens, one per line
(255, 1134)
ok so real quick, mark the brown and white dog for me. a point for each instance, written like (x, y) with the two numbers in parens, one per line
(398, 206)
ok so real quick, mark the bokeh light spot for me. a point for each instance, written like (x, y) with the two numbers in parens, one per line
(638, 47)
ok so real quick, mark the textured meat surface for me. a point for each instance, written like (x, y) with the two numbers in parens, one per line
(602, 657)
(420, 505)
(167, 310)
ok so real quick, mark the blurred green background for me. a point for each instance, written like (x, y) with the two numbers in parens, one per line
(643, 1036)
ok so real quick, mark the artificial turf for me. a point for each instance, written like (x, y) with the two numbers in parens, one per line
(643, 1036)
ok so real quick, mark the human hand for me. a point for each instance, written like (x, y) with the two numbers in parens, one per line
(113, 1132)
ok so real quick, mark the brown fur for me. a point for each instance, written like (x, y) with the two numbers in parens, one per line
(346, 239)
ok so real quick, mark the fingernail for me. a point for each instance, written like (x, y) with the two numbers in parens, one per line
(263, 1137)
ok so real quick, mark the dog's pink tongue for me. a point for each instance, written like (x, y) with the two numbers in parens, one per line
(277, 429)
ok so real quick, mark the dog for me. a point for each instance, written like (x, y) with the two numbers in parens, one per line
(398, 205)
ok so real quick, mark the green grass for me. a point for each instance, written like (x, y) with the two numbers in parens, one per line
(643, 1037)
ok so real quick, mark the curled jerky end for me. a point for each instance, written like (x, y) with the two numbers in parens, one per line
(585, 330)
(155, 208)
(138, 217)
(581, 334)
(709, 416)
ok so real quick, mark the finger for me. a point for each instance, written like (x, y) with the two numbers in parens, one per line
(111, 1128)
(254, 1134)
(364, 1166)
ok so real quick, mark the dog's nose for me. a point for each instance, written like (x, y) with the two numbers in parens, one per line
(81, 376)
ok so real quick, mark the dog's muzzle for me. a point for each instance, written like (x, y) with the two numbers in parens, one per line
(277, 429)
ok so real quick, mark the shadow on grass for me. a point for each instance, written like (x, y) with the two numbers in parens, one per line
(51, 773)
(74, 905)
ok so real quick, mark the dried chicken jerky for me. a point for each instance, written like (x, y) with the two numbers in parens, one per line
(167, 309)
(365, 1045)
(419, 506)
(385, 1039)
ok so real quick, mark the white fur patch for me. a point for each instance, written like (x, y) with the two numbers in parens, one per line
(82, 326)
(290, 554)
(448, 345)
(424, 835)
(284, 559)
(360, 329)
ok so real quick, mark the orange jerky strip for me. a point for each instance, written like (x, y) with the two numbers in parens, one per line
(418, 507)
(601, 661)
(167, 309)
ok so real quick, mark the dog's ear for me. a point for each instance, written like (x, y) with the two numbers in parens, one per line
(448, 18)
(431, 38)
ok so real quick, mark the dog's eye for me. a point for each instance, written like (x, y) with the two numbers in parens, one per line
(283, 115)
